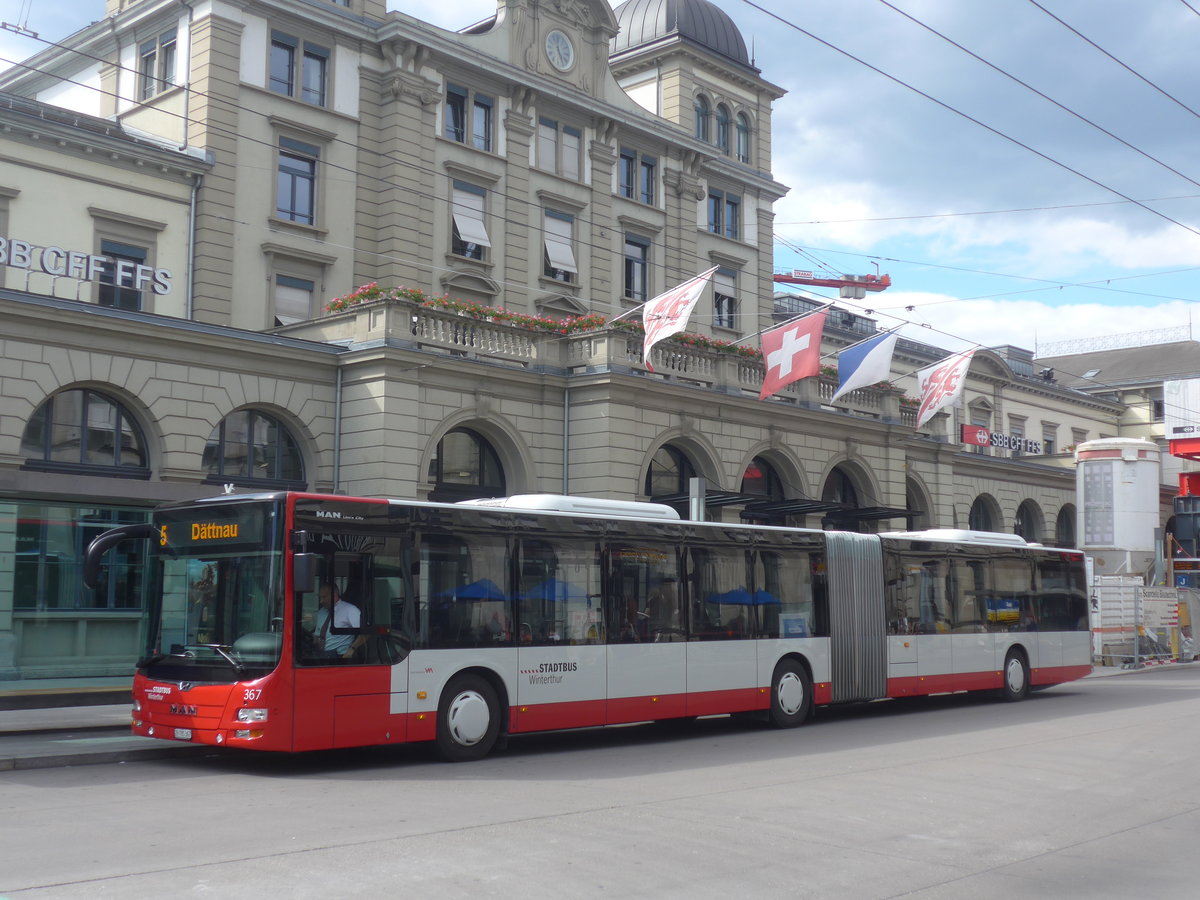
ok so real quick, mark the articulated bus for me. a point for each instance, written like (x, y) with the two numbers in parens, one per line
(295, 621)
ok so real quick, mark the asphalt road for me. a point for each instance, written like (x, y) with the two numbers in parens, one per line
(1086, 790)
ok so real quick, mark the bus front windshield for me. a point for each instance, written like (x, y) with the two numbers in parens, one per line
(220, 610)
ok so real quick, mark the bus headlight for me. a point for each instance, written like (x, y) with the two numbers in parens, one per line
(246, 714)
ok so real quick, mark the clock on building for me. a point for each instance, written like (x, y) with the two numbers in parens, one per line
(559, 50)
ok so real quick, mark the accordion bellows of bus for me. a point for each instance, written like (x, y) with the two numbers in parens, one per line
(294, 622)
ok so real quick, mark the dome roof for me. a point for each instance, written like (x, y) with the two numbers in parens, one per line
(698, 21)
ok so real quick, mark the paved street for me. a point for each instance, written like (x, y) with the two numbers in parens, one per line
(1087, 790)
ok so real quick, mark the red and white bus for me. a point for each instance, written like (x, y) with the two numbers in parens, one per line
(464, 623)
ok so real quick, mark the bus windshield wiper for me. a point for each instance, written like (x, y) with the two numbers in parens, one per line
(229, 657)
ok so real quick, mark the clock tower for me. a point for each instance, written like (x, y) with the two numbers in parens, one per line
(565, 39)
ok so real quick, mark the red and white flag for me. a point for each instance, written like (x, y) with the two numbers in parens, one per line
(942, 384)
(667, 314)
(791, 352)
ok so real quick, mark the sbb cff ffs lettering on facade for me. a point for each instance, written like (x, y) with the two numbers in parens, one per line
(978, 436)
(56, 261)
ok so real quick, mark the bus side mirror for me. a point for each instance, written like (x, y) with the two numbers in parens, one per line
(304, 572)
(106, 541)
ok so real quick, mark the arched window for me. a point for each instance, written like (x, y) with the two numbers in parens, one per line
(983, 516)
(1064, 527)
(764, 488)
(465, 466)
(723, 128)
(669, 473)
(839, 488)
(703, 119)
(84, 429)
(1028, 523)
(252, 448)
(761, 480)
(918, 506)
(743, 138)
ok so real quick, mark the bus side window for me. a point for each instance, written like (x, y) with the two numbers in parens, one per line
(559, 592)
(642, 600)
(463, 591)
(721, 599)
(788, 593)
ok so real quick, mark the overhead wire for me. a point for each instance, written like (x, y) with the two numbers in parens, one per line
(1119, 62)
(492, 215)
(425, 195)
(358, 148)
(1044, 96)
(1098, 284)
(984, 212)
(428, 171)
(958, 112)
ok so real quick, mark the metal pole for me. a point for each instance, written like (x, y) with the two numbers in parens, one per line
(696, 491)
(1137, 628)
(566, 447)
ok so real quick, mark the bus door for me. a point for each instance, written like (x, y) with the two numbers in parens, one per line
(722, 656)
(352, 639)
(646, 625)
(1011, 607)
(563, 665)
(971, 594)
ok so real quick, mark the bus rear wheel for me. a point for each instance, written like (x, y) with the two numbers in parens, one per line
(468, 719)
(1016, 677)
(791, 695)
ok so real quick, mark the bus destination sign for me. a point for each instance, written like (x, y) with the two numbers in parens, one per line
(223, 528)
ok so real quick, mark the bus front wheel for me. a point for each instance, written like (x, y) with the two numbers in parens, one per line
(791, 694)
(468, 719)
(1016, 677)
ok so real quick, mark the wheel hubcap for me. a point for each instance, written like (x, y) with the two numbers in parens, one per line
(1016, 676)
(468, 718)
(790, 693)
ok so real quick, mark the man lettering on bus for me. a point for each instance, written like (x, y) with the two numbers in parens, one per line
(337, 613)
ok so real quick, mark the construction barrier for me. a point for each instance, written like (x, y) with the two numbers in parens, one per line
(1135, 625)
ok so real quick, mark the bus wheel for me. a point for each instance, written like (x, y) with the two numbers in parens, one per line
(468, 719)
(1016, 677)
(791, 694)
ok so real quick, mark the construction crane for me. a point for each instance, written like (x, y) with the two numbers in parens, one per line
(850, 287)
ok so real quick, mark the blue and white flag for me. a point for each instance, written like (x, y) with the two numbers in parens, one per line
(865, 364)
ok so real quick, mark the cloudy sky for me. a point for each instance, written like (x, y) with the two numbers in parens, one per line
(1022, 169)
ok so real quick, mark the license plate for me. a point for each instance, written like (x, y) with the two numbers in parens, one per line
(183, 734)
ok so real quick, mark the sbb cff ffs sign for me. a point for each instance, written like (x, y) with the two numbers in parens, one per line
(978, 436)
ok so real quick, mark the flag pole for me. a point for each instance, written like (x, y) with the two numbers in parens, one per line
(877, 334)
(795, 318)
(629, 312)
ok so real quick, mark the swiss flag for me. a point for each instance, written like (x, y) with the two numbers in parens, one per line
(791, 352)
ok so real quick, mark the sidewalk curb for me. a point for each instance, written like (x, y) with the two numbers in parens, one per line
(135, 750)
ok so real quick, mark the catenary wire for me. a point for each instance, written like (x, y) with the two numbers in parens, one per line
(1029, 87)
(949, 108)
(427, 266)
(493, 216)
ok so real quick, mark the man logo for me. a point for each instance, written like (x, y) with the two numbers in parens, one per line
(179, 709)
